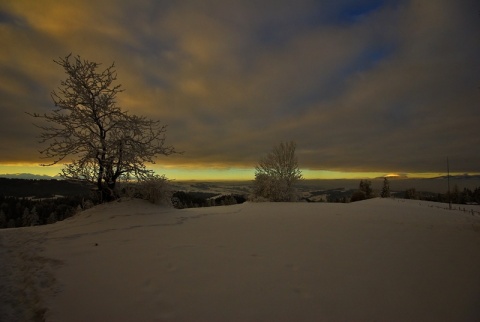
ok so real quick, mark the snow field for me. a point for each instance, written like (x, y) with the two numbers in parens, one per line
(380, 259)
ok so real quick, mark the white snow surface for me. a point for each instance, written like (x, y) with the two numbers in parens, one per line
(375, 260)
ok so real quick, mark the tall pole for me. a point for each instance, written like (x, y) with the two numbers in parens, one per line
(448, 181)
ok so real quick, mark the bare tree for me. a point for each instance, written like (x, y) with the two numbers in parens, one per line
(277, 173)
(101, 142)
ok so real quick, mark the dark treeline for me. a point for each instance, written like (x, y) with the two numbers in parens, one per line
(27, 211)
(39, 202)
(365, 191)
(332, 195)
(22, 212)
(31, 202)
(182, 199)
(456, 196)
(41, 188)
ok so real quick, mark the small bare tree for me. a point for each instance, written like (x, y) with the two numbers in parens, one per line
(277, 173)
(88, 129)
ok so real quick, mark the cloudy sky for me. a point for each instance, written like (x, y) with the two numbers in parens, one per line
(360, 86)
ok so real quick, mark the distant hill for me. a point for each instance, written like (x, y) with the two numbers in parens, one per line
(41, 188)
(461, 176)
(26, 176)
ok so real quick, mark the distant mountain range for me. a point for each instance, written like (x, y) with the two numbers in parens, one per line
(461, 176)
(31, 176)
(28, 176)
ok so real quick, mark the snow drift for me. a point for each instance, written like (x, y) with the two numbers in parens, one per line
(380, 259)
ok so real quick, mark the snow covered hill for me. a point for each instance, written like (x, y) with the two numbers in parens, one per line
(381, 259)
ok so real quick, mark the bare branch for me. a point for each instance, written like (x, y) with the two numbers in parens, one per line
(104, 142)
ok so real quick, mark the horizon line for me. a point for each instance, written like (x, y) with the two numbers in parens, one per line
(45, 176)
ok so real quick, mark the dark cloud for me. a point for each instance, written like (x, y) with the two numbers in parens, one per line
(9, 19)
(374, 85)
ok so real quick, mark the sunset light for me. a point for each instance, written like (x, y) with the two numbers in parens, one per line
(239, 160)
(365, 89)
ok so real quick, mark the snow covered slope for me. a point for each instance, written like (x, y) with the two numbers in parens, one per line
(381, 259)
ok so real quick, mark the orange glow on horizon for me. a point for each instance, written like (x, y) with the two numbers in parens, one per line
(217, 172)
